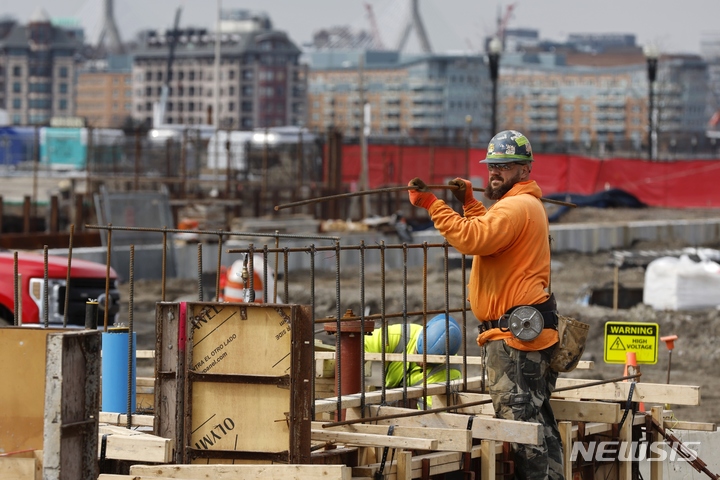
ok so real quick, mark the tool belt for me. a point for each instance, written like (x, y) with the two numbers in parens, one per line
(548, 310)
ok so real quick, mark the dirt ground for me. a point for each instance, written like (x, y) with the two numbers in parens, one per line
(694, 359)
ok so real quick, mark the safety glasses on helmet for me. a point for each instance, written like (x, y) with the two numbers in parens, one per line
(501, 166)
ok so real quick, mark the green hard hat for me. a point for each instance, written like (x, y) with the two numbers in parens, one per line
(509, 146)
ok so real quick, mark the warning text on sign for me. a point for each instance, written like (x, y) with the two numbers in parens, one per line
(623, 337)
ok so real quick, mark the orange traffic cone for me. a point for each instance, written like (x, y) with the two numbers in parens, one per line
(631, 368)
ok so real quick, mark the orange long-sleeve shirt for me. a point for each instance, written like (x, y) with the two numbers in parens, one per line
(511, 256)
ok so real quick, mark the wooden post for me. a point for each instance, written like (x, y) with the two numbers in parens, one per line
(72, 401)
(54, 214)
(26, 214)
(169, 373)
(625, 438)
(79, 212)
(656, 468)
(566, 437)
(487, 460)
(404, 465)
(616, 288)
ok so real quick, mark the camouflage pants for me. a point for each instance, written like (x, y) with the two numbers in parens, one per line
(520, 384)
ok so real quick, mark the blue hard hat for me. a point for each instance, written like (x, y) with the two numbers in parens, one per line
(436, 335)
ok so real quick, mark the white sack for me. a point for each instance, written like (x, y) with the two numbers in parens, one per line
(680, 284)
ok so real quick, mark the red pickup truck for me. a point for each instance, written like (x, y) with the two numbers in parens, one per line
(87, 281)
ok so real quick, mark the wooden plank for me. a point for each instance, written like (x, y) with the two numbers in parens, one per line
(124, 444)
(169, 365)
(695, 426)
(245, 472)
(392, 394)
(585, 411)
(23, 465)
(417, 358)
(72, 400)
(109, 476)
(571, 410)
(449, 439)
(482, 427)
(440, 462)
(373, 440)
(112, 418)
(22, 407)
(654, 393)
(17, 468)
(461, 398)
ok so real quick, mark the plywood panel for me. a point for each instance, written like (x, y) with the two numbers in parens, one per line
(248, 382)
(232, 338)
(241, 417)
(22, 396)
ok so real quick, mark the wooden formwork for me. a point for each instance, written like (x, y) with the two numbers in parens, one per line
(72, 401)
(227, 371)
(234, 381)
(468, 439)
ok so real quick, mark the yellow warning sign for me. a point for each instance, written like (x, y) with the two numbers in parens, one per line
(638, 337)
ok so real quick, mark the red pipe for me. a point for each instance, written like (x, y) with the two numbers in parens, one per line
(348, 365)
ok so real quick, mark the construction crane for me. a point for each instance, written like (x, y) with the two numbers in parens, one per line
(376, 39)
(159, 110)
(502, 22)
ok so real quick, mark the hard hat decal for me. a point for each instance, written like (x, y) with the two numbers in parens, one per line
(508, 146)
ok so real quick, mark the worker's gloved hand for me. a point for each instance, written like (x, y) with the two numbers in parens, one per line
(420, 197)
(464, 192)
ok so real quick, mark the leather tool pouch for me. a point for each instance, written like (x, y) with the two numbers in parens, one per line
(573, 334)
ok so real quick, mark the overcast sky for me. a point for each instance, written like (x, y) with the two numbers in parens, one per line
(671, 25)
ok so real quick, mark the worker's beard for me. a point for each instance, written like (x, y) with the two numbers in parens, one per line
(496, 193)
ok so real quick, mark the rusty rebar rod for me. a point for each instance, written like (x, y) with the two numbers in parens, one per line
(464, 405)
(395, 189)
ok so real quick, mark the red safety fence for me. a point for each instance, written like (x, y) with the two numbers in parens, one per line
(676, 184)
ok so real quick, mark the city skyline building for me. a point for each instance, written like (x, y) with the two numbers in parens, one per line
(261, 82)
(104, 95)
(434, 96)
(37, 70)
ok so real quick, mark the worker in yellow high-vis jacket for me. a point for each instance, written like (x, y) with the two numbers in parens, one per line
(413, 342)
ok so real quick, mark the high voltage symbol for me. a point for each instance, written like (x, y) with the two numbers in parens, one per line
(617, 345)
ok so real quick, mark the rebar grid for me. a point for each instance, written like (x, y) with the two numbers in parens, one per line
(386, 253)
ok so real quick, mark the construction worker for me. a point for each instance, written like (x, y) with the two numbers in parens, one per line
(510, 269)
(413, 342)
(235, 284)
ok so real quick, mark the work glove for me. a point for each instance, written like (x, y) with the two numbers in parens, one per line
(420, 197)
(464, 192)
